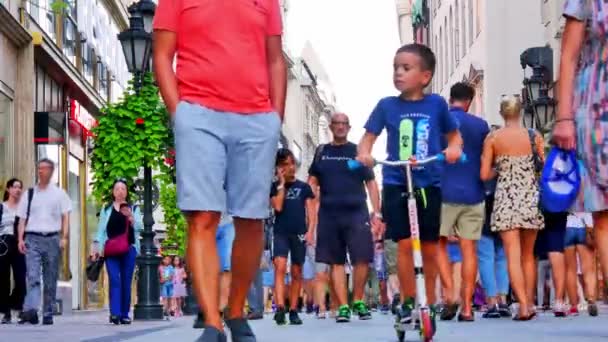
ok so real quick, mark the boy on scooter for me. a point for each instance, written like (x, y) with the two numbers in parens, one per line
(416, 125)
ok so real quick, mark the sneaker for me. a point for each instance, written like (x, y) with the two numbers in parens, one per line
(449, 312)
(7, 318)
(592, 309)
(404, 315)
(504, 310)
(493, 312)
(30, 317)
(279, 316)
(559, 309)
(359, 308)
(254, 316)
(294, 318)
(434, 319)
(573, 311)
(385, 309)
(212, 334)
(321, 315)
(240, 330)
(48, 320)
(310, 308)
(343, 315)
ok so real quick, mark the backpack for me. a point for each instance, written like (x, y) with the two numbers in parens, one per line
(318, 153)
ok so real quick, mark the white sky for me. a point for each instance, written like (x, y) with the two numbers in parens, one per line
(356, 41)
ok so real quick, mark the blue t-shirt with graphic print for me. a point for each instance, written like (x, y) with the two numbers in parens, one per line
(414, 128)
(292, 219)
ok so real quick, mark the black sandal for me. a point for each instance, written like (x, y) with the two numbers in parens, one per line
(524, 318)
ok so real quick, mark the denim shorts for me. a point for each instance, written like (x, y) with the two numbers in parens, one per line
(575, 236)
(166, 290)
(224, 238)
(224, 161)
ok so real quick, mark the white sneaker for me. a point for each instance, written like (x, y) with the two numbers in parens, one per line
(560, 309)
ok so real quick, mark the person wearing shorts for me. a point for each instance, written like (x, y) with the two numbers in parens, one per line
(343, 218)
(292, 201)
(577, 248)
(226, 99)
(463, 207)
(552, 241)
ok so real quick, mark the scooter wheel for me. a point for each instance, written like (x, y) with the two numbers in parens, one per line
(401, 336)
(426, 330)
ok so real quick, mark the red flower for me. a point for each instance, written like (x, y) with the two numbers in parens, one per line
(172, 152)
(170, 161)
(139, 121)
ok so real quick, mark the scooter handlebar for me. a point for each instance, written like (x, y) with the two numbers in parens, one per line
(353, 164)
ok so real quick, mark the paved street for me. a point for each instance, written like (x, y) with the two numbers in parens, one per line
(92, 328)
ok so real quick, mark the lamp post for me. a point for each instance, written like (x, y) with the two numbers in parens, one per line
(539, 106)
(136, 44)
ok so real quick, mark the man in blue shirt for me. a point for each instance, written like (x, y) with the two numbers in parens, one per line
(463, 208)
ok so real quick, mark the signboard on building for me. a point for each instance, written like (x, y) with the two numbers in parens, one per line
(82, 117)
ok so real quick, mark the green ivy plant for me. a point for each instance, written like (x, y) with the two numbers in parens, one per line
(131, 133)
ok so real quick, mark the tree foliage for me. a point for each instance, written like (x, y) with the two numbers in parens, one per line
(131, 133)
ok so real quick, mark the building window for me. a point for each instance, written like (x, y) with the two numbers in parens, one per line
(6, 160)
(436, 49)
(471, 22)
(69, 39)
(451, 42)
(103, 80)
(88, 56)
(463, 28)
(456, 34)
(440, 48)
(477, 17)
(40, 11)
(445, 52)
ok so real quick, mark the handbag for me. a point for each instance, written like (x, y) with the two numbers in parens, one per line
(118, 245)
(94, 269)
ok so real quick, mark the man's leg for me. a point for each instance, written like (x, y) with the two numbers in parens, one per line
(34, 267)
(360, 245)
(255, 298)
(246, 254)
(50, 274)
(203, 261)
(449, 217)
(338, 278)
(470, 225)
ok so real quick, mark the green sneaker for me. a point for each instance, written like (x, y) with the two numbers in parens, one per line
(404, 315)
(433, 319)
(343, 314)
(361, 309)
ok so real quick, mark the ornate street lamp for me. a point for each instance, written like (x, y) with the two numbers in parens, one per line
(539, 106)
(145, 9)
(136, 45)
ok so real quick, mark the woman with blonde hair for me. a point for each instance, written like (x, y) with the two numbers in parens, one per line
(513, 154)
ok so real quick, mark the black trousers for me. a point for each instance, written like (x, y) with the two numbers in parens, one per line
(11, 259)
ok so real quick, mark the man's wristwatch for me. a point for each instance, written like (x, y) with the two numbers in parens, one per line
(280, 187)
(377, 215)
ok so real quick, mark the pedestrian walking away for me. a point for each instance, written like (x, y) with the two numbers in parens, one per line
(513, 154)
(11, 260)
(343, 218)
(463, 208)
(416, 123)
(226, 99)
(43, 232)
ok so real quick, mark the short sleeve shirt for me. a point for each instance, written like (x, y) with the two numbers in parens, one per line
(47, 207)
(292, 219)
(414, 128)
(340, 187)
(221, 50)
(7, 223)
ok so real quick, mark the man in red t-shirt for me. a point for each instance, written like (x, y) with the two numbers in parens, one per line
(226, 99)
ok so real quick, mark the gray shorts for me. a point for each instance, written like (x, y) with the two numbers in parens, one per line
(224, 161)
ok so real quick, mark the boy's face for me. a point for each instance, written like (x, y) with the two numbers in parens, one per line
(289, 167)
(408, 73)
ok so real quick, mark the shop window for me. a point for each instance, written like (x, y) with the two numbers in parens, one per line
(6, 108)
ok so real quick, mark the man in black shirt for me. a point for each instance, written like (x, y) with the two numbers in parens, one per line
(343, 218)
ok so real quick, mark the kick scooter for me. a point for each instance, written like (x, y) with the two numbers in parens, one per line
(421, 317)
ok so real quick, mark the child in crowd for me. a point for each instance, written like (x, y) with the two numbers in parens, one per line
(166, 273)
(416, 125)
(179, 285)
